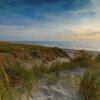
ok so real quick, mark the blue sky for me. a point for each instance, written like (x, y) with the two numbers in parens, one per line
(49, 20)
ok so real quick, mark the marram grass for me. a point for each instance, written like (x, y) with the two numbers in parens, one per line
(15, 77)
(90, 85)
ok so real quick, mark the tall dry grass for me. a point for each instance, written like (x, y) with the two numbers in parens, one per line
(90, 83)
(15, 77)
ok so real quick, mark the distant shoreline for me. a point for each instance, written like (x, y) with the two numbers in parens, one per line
(70, 45)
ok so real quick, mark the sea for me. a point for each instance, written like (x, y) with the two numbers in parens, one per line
(75, 45)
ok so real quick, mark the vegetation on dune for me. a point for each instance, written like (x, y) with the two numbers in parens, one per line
(4, 85)
(90, 83)
(16, 77)
(30, 52)
(98, 58)
(83, 58)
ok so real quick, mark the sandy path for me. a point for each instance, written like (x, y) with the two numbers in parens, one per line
(56, 92)
(66, 89)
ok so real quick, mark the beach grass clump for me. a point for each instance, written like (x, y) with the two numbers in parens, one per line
(40, 70)
(15, 77)
(18, 73)
(90, 85)
(4, 49)
(59, 67)
(83, 58)
(63, 66)
(98, 58)
(6, 92)
(56, 68)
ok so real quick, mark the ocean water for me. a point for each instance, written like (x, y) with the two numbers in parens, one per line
(78, 45)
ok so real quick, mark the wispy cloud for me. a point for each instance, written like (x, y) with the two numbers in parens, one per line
(49, 20)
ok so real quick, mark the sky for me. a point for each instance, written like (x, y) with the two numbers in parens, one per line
(49, 20)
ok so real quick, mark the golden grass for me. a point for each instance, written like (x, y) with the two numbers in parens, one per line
(90, 85)
(30, 52)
